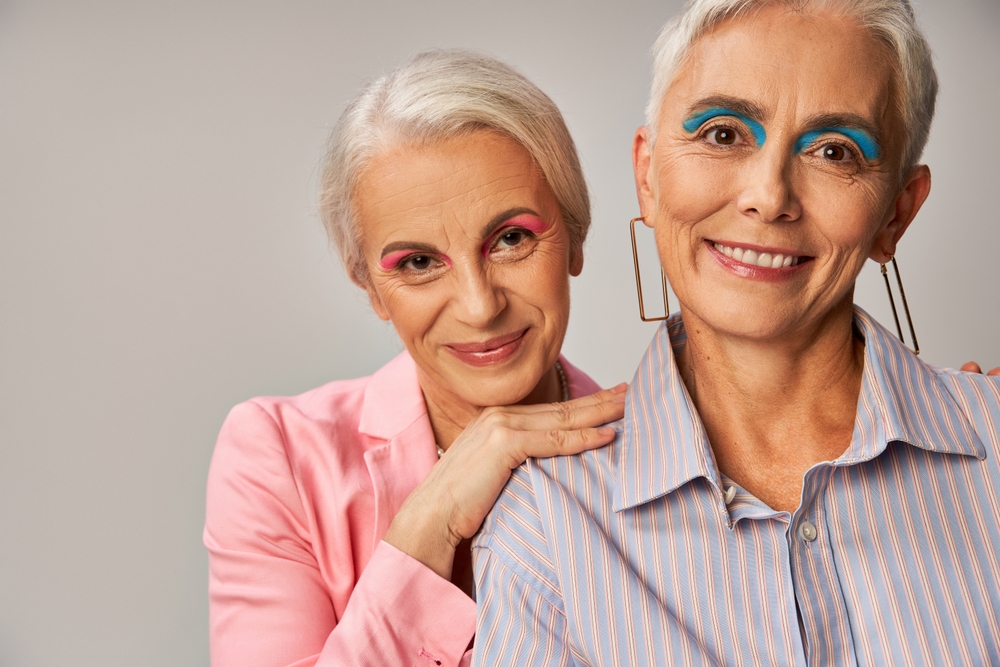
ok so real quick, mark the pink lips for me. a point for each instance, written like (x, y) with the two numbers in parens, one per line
(765, 274)
(489, 352)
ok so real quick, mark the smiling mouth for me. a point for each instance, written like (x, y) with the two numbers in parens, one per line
(489, 345)
(759, 258)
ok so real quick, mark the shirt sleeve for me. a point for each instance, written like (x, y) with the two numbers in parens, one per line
(521, 619)
(269, 605)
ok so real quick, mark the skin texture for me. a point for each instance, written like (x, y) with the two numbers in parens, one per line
(465, 243)
(439, 201)
(771, 361)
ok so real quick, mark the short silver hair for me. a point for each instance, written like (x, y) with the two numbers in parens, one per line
(891, 22)
(438, 95)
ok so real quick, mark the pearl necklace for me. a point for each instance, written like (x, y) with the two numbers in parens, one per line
(563, 384)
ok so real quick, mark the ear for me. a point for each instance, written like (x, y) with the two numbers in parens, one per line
(908, 202)
(576, 260)
(642, 167)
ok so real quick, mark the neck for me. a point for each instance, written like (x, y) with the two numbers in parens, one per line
(772, 409)
(449, 413)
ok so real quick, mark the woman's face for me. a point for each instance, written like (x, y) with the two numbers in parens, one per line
(775, 172)
(470, 259)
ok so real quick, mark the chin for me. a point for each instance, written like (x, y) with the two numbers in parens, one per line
(745, 318)
(504, 392)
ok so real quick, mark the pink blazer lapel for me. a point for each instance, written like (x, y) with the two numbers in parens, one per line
(394, 411)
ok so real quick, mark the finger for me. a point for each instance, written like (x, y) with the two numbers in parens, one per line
(567, 416)
(995, 371)
(613, 394)
(971, 367)
(543, 444)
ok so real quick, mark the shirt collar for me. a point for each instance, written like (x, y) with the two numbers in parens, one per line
(665, 444)
(904, 400)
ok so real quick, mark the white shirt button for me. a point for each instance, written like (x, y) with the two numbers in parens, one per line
(807, 531)
(730, 494)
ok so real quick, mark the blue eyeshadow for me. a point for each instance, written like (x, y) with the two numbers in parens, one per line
(864, 140)
(697, 120)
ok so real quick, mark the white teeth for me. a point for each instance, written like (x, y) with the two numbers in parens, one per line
(752, 257)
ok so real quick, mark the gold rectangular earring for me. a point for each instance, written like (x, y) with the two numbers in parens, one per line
(638, 280)
(906, 308)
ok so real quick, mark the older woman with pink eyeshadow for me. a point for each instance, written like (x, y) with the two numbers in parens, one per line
(338, 521)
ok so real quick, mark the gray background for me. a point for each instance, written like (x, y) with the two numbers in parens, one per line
(161, 260)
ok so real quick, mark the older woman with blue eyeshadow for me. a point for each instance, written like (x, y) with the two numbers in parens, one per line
(790, 485)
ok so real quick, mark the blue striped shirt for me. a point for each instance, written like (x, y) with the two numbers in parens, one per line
(631, 554)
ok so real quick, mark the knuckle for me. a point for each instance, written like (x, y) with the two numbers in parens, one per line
(564, 412)
(557, 439)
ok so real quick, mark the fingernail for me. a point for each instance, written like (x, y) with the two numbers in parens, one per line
(606, 431)
(620, 388)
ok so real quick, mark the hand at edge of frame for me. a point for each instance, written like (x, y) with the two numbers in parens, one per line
(973, 367)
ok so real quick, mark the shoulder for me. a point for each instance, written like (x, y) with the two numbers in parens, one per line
(287, 423)
(530, 528)
(978, 398)
(335, 403)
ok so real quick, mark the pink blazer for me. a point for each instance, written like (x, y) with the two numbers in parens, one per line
(301, 491)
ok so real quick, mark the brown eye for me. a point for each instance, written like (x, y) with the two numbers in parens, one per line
(417, 262)
(835, 153)
(723, 136)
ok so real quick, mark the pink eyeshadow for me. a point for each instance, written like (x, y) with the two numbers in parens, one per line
(532, 223)
(390, 261)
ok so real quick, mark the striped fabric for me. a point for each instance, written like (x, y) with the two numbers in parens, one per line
(630, 555)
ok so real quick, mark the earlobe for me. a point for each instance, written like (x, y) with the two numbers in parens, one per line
(575, 262)
(908, 201)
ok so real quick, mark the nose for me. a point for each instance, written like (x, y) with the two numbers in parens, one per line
(768, 194)
(479, 301)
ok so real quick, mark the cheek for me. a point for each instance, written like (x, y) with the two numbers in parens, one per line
(413, 311)
(849, 217)
(541, 280)
(691, 187)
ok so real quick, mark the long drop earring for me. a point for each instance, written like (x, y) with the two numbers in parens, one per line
(906, 308)
(638, 280)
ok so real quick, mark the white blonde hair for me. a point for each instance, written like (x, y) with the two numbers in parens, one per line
(891, 22)
(437, 95)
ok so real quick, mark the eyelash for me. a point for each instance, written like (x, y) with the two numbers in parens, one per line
(510, 230)
(849, 147)
(401, 265)
(726, 122)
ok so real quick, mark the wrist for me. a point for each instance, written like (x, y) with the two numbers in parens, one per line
(423, 534)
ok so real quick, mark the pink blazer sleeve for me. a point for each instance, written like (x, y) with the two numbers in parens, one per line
(272, 604)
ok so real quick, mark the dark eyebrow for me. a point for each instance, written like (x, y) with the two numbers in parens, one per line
(488, 230)
(845, 120)
(407, 245)
(741, 106)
